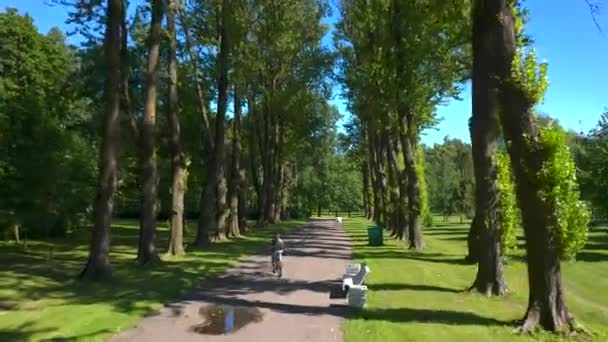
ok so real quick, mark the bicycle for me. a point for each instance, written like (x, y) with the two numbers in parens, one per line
(277, 263)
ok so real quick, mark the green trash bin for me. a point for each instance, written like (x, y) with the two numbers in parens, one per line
(374, 236)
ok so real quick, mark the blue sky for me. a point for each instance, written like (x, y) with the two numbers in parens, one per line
(564, 35)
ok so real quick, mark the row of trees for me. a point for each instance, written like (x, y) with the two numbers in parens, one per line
(400, 59)
(212, 110)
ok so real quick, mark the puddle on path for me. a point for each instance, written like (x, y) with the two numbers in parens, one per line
(223, 319)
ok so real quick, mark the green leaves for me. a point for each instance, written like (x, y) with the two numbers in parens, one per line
(530, 76)
(560, 191)
(509, 210)
(425, 211)
(47, 156)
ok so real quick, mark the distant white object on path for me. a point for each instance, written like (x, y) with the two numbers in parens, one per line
(339, 219)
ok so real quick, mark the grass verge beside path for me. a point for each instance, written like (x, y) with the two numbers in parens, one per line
(418, 296)
(41, 300)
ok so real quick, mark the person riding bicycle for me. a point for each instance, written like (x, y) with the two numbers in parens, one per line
(278, 247)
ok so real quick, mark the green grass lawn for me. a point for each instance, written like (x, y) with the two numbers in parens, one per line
(41, 300)
(418, 296)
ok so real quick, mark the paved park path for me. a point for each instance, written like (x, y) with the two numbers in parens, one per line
(302, 306)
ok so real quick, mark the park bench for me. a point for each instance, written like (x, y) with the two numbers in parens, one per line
(352, 283)
(351, 279)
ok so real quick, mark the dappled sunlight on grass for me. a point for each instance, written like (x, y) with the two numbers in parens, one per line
(420, 296)
(40, 297)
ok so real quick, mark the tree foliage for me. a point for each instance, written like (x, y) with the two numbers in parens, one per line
(509, 211)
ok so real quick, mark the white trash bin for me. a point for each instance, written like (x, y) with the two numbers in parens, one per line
(339, 219)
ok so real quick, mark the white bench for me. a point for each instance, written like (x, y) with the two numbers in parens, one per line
(350, 280)
(357, 296)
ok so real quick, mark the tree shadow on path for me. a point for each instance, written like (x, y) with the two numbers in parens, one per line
(397, 315)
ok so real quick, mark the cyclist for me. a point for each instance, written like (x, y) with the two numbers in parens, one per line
(278, 246)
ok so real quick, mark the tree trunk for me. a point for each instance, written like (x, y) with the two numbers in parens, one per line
(98, 264)
(206, 218)
(366, 191)
(393, 180)
(402, 232)
(178, 159)
(375, 205)
(233, 225)
(266, 156)
(253, 139)
(284, 214)
(378, 179)
(243, 227)
(546, 302)
(383, 178)
(408, 136)
(486, 230)
(473, 240)
(220, 178)
(280, 181)
(149, 173)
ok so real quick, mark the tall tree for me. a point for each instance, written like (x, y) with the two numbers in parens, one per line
(235, 171)
(486, 226)
(149, 172)
(554, 220)
(178, 158)
(98, 264)
(219, 177)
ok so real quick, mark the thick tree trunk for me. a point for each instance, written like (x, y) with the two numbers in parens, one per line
(178, 159)
(220, 177)
(243, 193)
(546, 303)
(374, 198)
(367, 174)
(149, 173)
(378, 179)
(254, 152)
(280, 167)
(98, 264)
(473, 240)
(402, 232)
(366, 191)
(408, 135)
(486, 230)
(206, 219)
(233, 225)
(265, 149)
(284, 214)
(396, 221)
(243, 226)
(383, 178)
